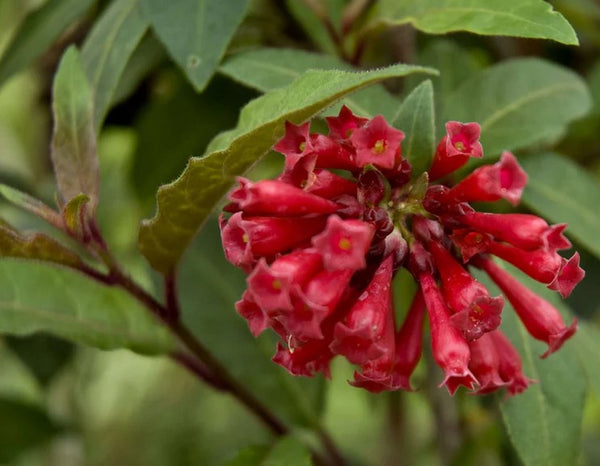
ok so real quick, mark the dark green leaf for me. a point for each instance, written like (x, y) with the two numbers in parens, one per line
(38, 31)
(455, 63)
(520, 18)
(31, 204)
(195, 32)
(313, 24)
(517, 101)
(209, 288)
(24, 426)
(416, 118)
(74, 140)
(544, 422)
(562, 191)
(40, 297)
(268, 69)
(35, 246)
(193, 118)
(184, 205)
(45, 355)
(107, 50)
(287, 451)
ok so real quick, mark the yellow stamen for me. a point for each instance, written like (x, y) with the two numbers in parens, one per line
(245, 238)
(345, 244)
(302, 146)
(459, 145)
(379, 146)
(276, 284)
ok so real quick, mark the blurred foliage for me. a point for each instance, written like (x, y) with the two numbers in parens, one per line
(66, 405)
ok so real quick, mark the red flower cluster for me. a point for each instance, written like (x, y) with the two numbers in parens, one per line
(321, 250)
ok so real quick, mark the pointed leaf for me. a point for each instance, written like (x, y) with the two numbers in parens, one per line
(516, 103)
(184, 204)
(269, 68)
(36, 246)
(562, 191)
(195, 32)
(31, 204)
(38, 31)
(416, 118)
(43, 298)
(544, 422)
(74, 140)
(520, 18)
(107, 50)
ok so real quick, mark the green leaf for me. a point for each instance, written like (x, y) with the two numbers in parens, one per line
(184, 205)
(74, 140)
(196, 32)
(38, 31)
(36, 246)
(287, 451)
(562, 191)
(587, 346)
(43, 354)
(313, 25)
(107, 50)
(29, 426)
(416, 118)
(544, 422)
(517, 101)
(519, 18)
(455, 63)
(248, 456)
(209, 288)
(69, 305)
(267, 69)
(31, 204)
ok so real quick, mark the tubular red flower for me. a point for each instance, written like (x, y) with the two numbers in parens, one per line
(524, 231)
(271, 285)
(344, 243)
(475, 312)
(342, 126)
(257, 319)
(540, 318)
(454, 150)
(313, 303)
(329, 185)
(378, 144)
(450, 349)
(367, 331)
(503, 180)
(510, 367)
(409, 343)
(273, 197)
(295, 143)
(485, 365)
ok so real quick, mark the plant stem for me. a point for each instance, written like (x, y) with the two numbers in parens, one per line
(448, 430)
(201, 361)
(229, 383)
(395, 441)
